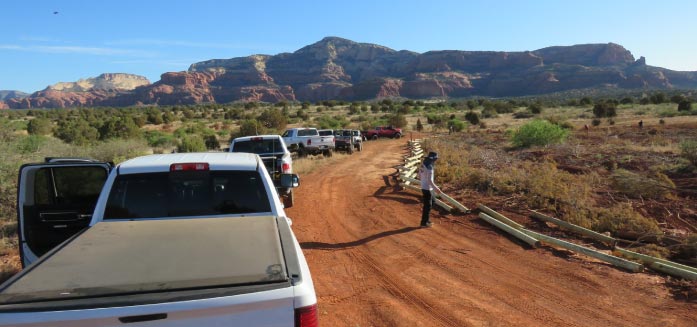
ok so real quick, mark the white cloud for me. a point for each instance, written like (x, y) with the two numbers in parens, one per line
(189, 44)
(168, 63)
(97, 51)
(10, 47)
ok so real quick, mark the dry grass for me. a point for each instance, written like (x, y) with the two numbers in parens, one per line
(532, 176)
(656, 186)
(302, 166)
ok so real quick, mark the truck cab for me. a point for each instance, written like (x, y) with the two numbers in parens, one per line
(275, 155)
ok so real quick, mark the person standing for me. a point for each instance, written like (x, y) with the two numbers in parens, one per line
(428, 186)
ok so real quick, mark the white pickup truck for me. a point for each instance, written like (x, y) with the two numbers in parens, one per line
(308, 141)
(191, 239)
(275, 155)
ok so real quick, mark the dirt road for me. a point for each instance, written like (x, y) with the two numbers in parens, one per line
(372, 266)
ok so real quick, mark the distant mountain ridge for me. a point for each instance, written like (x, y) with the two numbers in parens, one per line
(337, 68)
(85, 92)
(11, 94)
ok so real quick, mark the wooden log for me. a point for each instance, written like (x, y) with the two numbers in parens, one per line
(510, 230)
(499, 216)
(617, 261)
(578, 229)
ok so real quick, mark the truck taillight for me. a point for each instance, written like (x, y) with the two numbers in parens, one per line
(197, 166)
(285, 168)
(306, 316)
(309, 141)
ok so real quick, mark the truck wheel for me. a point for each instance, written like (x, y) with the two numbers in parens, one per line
(397, 135)
(375, 137)
(327, 153)
(288, 200)
(350, 149)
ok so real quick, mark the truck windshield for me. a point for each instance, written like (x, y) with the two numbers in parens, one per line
(187, 193)
(258, 146)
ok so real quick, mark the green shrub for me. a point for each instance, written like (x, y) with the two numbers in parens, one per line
(273, 119)
(472, 117)
(118, 150)
(30, 144)
(489, 113)
(76, 131)
(685, 105)
(688, 150)
(535, 108)
(119, 127)
(634, 185)
(605, 109)
(538, 132)
(39, 126)
(327, 122)
(212, 142)
(192, 143)
(397, 120)
(160, 139)
(457, 125)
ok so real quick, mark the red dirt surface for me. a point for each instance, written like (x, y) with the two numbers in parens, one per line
(372, 265)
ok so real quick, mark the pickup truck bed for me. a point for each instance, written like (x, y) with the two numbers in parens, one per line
(154, 257)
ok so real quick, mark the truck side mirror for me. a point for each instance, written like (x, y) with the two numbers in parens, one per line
(290, 180)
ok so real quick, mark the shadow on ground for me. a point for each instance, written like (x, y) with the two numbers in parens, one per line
(345, 245)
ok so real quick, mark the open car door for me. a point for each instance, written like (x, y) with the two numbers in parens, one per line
(55, 201)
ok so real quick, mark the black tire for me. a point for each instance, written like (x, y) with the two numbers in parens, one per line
(397, 135)
(375, 137)
(327, 153)
(350, 149)
(288, 199)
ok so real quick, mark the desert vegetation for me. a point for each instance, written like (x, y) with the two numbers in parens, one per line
(584, 159)
(632, 175)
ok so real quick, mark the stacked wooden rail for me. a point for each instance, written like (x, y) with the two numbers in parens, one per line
(657, 264)
(408, 174)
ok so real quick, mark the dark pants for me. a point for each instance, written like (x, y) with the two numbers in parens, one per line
(428, 203)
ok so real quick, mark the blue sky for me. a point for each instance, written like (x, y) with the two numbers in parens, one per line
(150, 37)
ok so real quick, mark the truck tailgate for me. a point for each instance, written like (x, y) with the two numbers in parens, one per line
(269, 308)
(199, 269)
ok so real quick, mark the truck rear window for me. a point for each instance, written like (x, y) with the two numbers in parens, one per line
(308, 132)
(187, 193)
(258, 146)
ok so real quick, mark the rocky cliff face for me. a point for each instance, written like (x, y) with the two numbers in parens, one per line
(121, 82)
(336, 68)
(89, 92)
